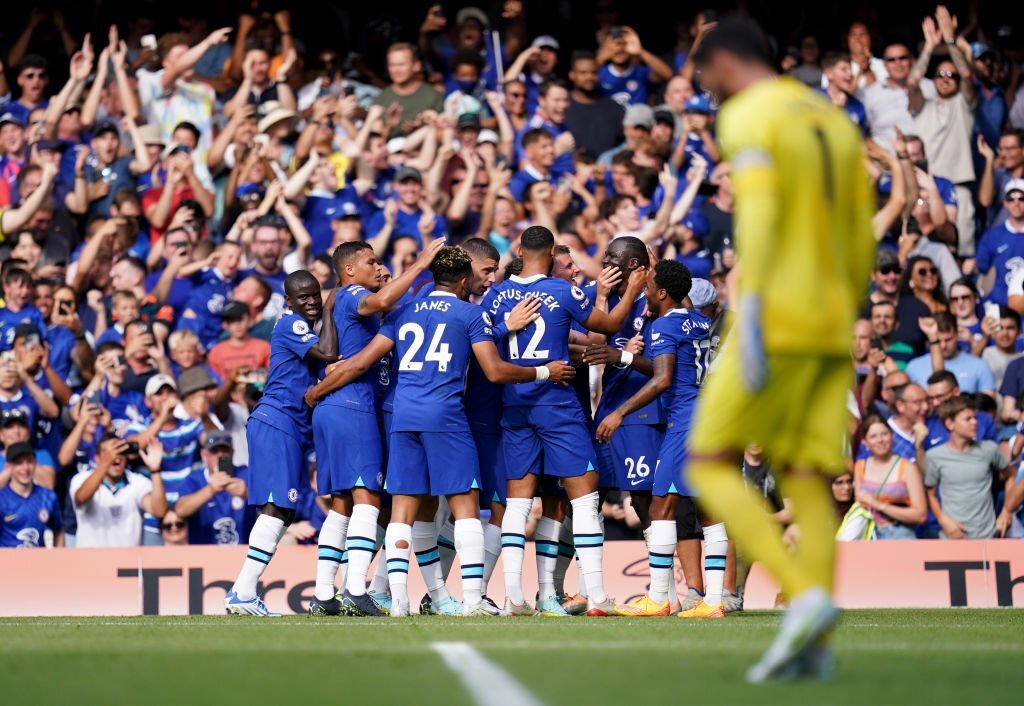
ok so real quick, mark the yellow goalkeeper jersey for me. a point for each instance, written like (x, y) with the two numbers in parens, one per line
(802, 215)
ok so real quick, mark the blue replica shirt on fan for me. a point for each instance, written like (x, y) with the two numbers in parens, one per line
(62, 343)
(10, 319)
(938, 434)
(224, 519)
(181, 288)
(620, 383)
(127, 408)
(544, 340)
(687, 335)
(564, 162)
(627, 87)
(22, 403)
(319, 212)
(23, 521)
(210, 292)
(281, 405)
(698, 262)
(354, 333)
(1002, 248)
(434, 338)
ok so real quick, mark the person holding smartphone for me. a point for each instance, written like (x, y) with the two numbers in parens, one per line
(214, 500)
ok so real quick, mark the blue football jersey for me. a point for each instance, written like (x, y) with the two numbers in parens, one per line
(544, 340)
(126, 408)
(24, 520)
(224, 519)
(483, 397)
(687, 335)
(281, 405)
(619, 383)
(354, 333)
(23, 403)
(434, 338)
(9, 320)
(210, 292)
(627, 88)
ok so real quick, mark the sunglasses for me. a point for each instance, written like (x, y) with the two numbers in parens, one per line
(962, 298)
(178, 524)
(894, 59)
(946, 74)
(891, 270)
(924, 271)
(1013, 199)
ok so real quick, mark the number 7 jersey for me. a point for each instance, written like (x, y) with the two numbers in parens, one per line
(434, 338)
(687, 335)
(545, 340)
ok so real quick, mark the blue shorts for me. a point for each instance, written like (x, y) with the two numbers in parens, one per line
(349, 450)
(432, 463)
(670, 471)
(553, 441)
(631, 455)
(277, 465)
(493, 479)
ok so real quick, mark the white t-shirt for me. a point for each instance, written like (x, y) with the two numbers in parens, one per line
(113, 517)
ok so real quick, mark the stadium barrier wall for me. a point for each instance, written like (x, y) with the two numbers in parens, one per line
(193, 580)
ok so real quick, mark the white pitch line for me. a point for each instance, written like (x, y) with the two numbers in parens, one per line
(487, 683)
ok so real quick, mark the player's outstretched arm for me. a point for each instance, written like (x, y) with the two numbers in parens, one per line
(393, 290)
(348, 370)
(659, 382)
(500, 372)
(610, 322)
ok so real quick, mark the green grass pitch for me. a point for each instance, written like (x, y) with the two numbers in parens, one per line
(886, 657)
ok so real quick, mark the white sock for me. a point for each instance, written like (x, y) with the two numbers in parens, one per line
(360, 544)
(661, 548)
(330, 554)
(263, 539)
(589, 540)
(716, 546)
(565, 554)
(469, 543)
(397, 560)
(545, 540)
(581, 580)
(513, 546)
(379, 582)
(446, 545)
(492, 550)
(424, 543)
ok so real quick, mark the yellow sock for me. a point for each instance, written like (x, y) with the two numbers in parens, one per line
(724, 494)
(813, 511)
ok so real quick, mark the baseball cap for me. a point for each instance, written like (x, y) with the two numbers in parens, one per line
(665, 117)
(472, 13)
(150, 135)
(158, 382)
(698, 224)
(546, 41)
(487, 135)
(702, 293)
(348, 209)
(217, 439)
(233, 311)
(11, 118)
(396, 144)
(106, 126)
(697, 104)
(22, 448)
(13, 416)
(980, 49)
(194, 379)
(1013, 185)
(468, 120)
(639, 115)
(406, 173)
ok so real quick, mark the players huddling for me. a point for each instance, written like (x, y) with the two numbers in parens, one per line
(440, 406)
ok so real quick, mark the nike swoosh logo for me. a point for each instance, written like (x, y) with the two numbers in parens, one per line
(637, 482)
(10, 518)
(1002, 248)
(935, 440)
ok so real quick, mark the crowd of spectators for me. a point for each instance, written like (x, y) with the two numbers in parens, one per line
(152, 204)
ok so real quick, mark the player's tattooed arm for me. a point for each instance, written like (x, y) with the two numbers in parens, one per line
(348, 370)
(659, 382)
(393, 290)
